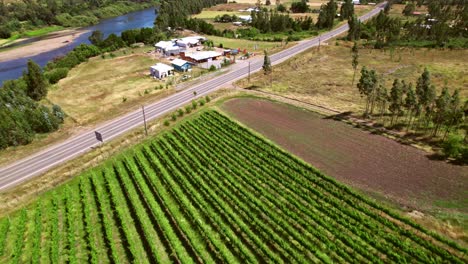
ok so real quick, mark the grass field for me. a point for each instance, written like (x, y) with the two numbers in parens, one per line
(108, 85)
(210, 191)
(330, 73)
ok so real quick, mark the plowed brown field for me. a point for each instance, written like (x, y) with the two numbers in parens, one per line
(372, 163)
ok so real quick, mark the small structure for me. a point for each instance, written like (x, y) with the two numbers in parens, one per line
(161, 70)
(181, 65)
(237, 23)
(188, 42)
(246, 19)
(200, 56)
(356, 2)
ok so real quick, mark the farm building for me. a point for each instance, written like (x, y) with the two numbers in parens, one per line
(188, 42)
(246, 19)
(181, 65)
(161, 70)
(200, 56)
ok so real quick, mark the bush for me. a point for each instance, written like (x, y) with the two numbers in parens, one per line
(58, 113)
(56, 75)
(173, 117)
(180, 112)
(194, 105)
(453, 146)
(188, 109)
(212, 68)
(166, 123)
(207, 98)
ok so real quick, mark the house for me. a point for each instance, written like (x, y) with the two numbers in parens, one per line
(188, 42)
(200, 56)
(356, 2)
(161, 70)
(181, 65)
(168, 48)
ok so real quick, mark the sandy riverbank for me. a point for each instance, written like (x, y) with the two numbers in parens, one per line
(49, 42)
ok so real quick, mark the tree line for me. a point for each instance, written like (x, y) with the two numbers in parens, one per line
(444, 25)
(17, 16)
(417, 107)
(272, 21)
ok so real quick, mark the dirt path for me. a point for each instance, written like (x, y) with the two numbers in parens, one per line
(50, 42)
(369, 162)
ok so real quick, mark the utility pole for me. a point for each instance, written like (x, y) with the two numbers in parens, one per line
(249, 72)
(144, 119)
(320, 36)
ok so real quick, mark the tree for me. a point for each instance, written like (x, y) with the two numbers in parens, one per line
(410, 103)
(354, 32)
(346, 10)
(327, 15)
(367, 85)
(409, 9)
(425, 93)
(455, 112)
(300, 7)
(442, 109)
(267, 69)
(382, 98)
(396, 99)
(281, 8)
(267, 2)
(355, 62)
(35, 81)
(96, 38)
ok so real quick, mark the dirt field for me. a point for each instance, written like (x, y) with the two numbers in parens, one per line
(372, 163)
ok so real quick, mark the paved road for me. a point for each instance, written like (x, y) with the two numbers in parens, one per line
(73, 147)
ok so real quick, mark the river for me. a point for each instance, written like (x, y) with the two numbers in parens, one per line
(13, 69)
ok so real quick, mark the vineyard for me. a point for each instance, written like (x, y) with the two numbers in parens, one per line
(210, 191)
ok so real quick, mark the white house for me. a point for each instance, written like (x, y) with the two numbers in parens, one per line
(188, 42)
(168, 48)
(161, 70)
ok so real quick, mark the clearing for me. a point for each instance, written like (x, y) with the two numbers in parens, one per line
(172, 200)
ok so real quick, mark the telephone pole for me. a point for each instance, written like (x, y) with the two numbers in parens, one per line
(249, 72)
(144, 119)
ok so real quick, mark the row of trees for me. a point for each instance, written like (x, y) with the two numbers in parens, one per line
(445, 25)
(16, 16)
(419, 106)
(272, 21)
(175, 13)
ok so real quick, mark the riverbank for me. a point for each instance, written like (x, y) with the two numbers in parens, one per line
(51, 42)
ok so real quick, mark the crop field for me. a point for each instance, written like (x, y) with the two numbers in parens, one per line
(210, 191)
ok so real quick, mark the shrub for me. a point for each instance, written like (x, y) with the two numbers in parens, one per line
(56, 75)
(124, 99)
(207, 98)
(166, 123)
(453, 146)
(58, 113)
(180, 112)
(188, 109)
(212, 68)
(194, 105)
(173, 117)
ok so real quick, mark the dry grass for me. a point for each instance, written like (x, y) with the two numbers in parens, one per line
(210, 14)
(247, 44)
(324, 77)
(100, 86)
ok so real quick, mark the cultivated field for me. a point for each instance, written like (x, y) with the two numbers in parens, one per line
(210, 191)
